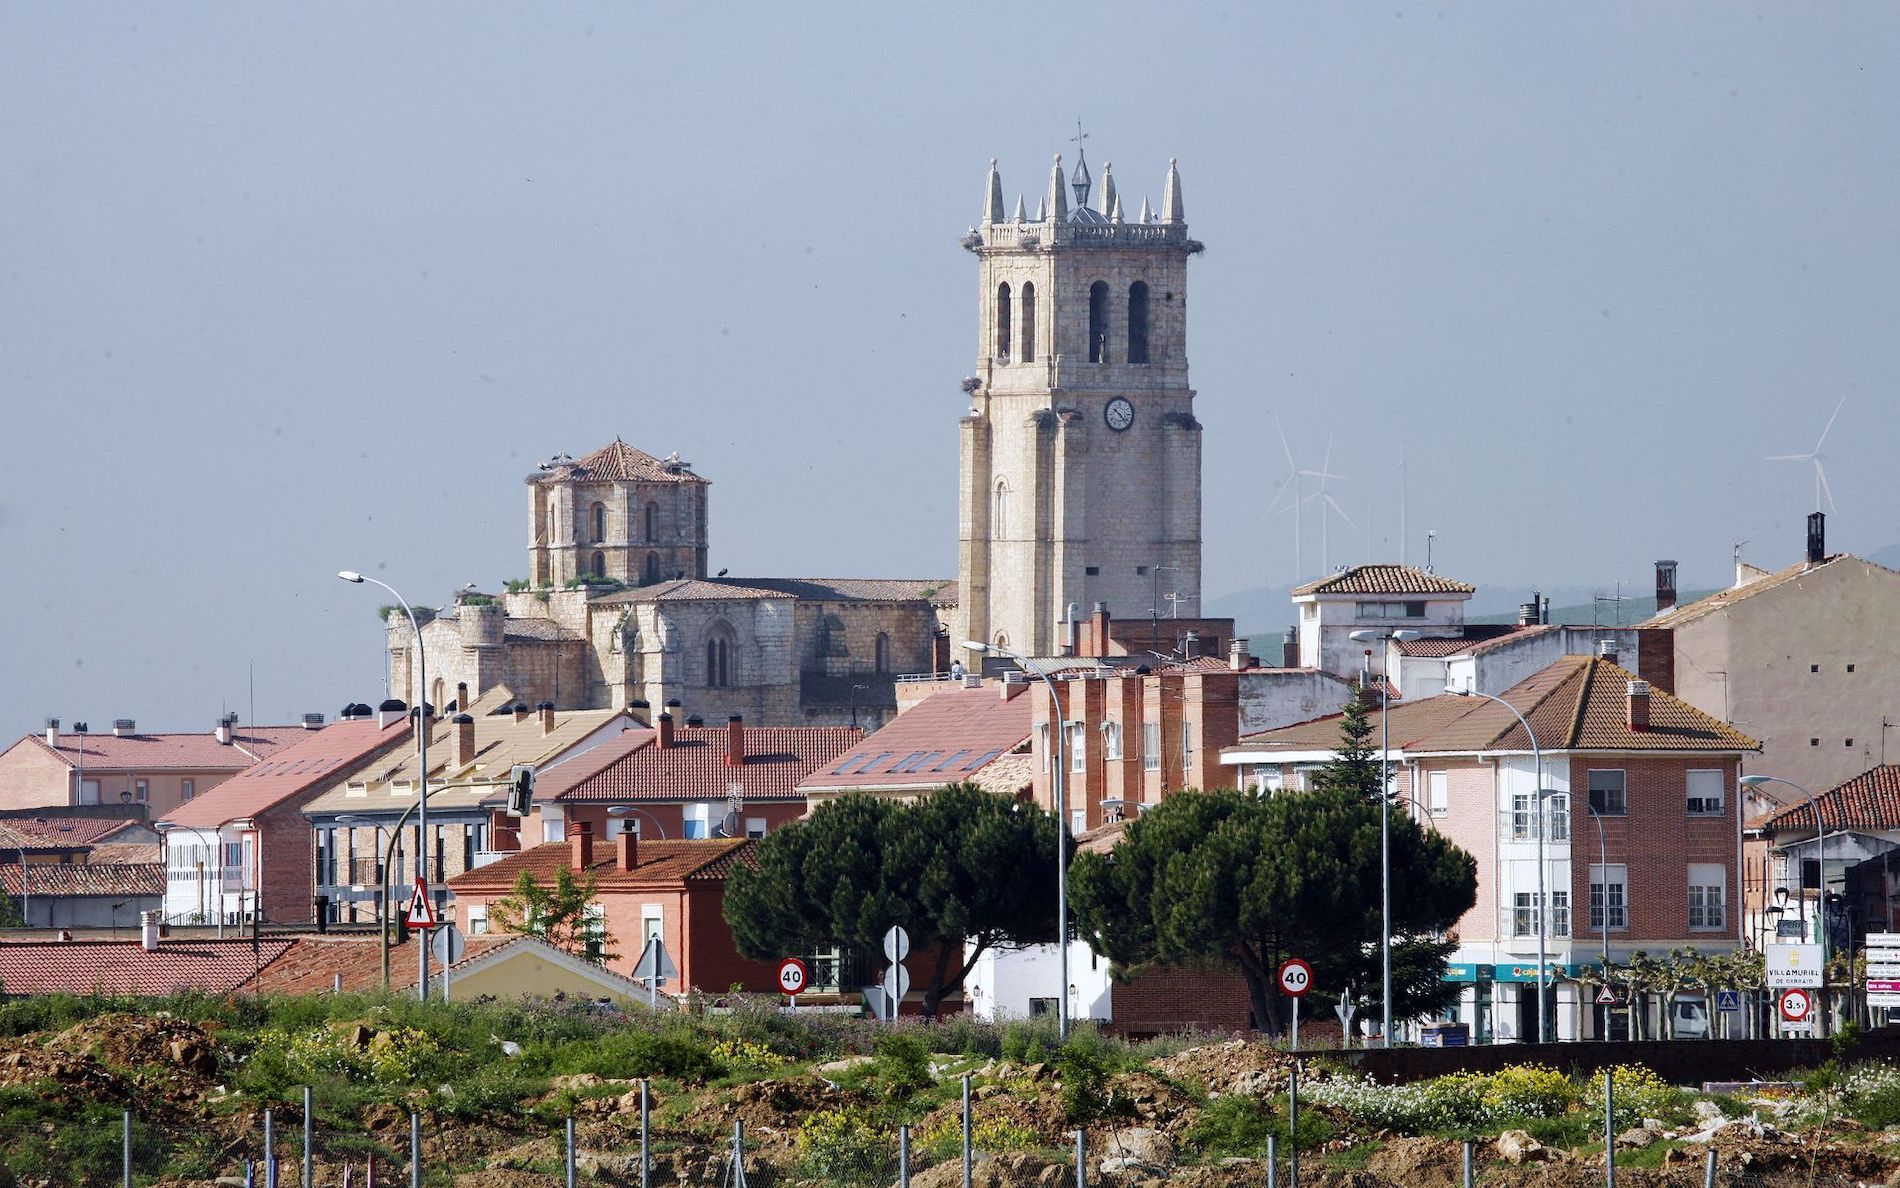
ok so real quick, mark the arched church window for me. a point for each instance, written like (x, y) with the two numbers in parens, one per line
(1098, 322)
(1138, 322)
(1002, 640)
(650, 572)
(598, 515)
(999, 511)
(719, 647)
(600, 564)
(653, 521)
(882, 654)
(1029, 322)
(1002, 321)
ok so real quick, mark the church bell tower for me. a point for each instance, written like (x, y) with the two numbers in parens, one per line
(1080, 463)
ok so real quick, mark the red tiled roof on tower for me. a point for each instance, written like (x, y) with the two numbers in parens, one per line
(619, 462)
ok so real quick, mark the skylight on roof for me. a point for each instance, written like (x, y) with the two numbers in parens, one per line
(983, 760)
(854, 761)
(945, 765)
(909, 763)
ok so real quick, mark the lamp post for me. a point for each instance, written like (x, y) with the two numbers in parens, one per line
(1385, 826)
(1062, 823)
(1603, 926)
(422, 764)
(166, 827)
(1543, 961)
(1820, 844)
(621, 810)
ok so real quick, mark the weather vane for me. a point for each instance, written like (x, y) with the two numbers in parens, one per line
(1079, 136)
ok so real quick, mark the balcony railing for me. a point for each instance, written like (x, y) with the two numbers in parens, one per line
(1519, 923)
(1521, 825)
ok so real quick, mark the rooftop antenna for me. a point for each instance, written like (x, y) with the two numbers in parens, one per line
(1431, 534)
(1814, 455)
(1616, 600)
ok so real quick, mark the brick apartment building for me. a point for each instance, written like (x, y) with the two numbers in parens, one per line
(1642, 834)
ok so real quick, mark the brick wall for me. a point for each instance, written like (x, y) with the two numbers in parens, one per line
(1181, 999)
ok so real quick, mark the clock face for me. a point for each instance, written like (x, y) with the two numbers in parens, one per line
(1119, 414)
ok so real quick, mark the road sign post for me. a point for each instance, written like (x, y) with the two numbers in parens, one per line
(1797, 1009)
(1296, 978)
(449, 947)
(792, 976)
(1883, 969)
(896, 980)
(421, 912)
(655, 966)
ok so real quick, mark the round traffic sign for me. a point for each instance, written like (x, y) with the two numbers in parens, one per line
(1296, 977)
(1795, 1005)
(792, 976)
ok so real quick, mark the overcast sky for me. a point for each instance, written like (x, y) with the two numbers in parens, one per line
(288, 289)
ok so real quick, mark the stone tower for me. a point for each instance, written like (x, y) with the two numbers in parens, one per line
(1080, 468)
(618, 514)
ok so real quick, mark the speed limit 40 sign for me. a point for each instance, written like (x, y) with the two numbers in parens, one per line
(792, 976)
(1296, 977)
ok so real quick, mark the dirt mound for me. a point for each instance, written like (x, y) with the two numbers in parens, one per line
(62, 1076)
(1420, 1162)
(1236, 1066)
(771, 1110)
(1150, 1101)
(141, 1041)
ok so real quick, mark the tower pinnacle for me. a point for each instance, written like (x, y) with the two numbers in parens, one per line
(993, 199)
(1171, 196)
(1057, 205)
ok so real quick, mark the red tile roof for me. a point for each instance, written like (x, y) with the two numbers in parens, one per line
(619, 462)
(660, 863)
(945, 738)
(633, 766)
(1383, 579)
(1436, 647)
(106, 853)
(1871, 800)
(172, 752)
(319, 759)
(84, 878)
(937, 590)
(311, 963)
(123, 967)
(56, 832)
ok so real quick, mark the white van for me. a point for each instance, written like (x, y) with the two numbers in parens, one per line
(1689, 1018)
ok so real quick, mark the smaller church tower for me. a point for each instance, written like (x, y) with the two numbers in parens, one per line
(618, 514)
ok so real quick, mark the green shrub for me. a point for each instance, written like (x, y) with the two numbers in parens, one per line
(1084, 1073)
(841, 1147)
(1870, 1094)
(1233, 1125)
(1640, 1094)
(901, 1066)
(630, 1055)
(991, 1136)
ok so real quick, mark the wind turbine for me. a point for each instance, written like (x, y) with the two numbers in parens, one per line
(1814, 455)
(1400, 471)
(1292, 479)
(1325, 474)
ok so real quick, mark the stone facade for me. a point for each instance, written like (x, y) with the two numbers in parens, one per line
(1080, 457)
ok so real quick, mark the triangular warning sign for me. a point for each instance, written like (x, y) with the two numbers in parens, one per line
(1606, 996)
(421, 911)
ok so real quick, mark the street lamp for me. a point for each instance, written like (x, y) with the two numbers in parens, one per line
(422, 763)
(1062, 823)
(1603, 926)
(1820, 843)
(167, 827)
(621, 810)
(1537, 754)
(1385, 826)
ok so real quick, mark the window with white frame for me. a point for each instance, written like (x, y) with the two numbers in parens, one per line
(1523, 815)
(1111, 741)
(1309, 610)
(696, 821)
(1560, 913)
(1042, 743)
(1708, 884)
(1151, 746)
(652, 921)
(1524, 914)
(1187, 745)
(594, 931)
(1078, 821)
(1609, 794)
(142, 791)
(1438, 792)
(1557, 816)
(615, 827)
(1078, 746)
(1391, 610)
(187, 789)
(1705, 790)
(553, 829)
(1609, 897)
(755, 826)
(477, 919)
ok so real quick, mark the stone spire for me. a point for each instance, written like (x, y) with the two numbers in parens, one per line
(1057, 205)
(1171, 196)
(1081, 181)
(993, 201)
(1042, 210)
(1115, 211)
(1019, 208)
(1147, 213)
(1108, 190)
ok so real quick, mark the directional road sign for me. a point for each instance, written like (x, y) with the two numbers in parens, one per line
(792, 976)
(1296, 977)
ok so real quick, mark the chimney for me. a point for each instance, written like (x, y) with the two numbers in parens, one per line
(1072, 630)
(1639, 705)
(1665, 585)
(461, 695)
(313, 721)
(627, 849)
(546, 709)
(695, 720)
(1098, 630)
(1238, 658)
(1606, 650)
(1817, 538)
(148, 930)
(1190, 645)
(663, 728)
(580, 839)
(1527, 613)
(642, 710)
(121, 727)
(52, 732)
(464, 739)
(676, 708)
(1290, 648)
(521, 711)
(392, 710)
(735, 741)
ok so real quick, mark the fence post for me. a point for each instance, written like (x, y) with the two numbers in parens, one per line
(645, 1163)
(125, 1156)
(1609, 1128)
(738, 1153)
(1273, 1161)
(968, 1163)
(270, 1152)
(1708, 1169)
(415, 1149)
(903, 1155)
(569, 1134)
(1293, 1127)
(1468, 1169)
(1081, 1159)
(309, 1155)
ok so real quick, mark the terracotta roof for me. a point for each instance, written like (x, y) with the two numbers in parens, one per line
(946, 738)
(1436, 647)
(635, 767)
(1578, 703)
(1383, 579)
(1871, 800)
(311, 963)
(935, 590)
(619, 462)
(660, 863)
(123, 967)
(54, 832)
(1010, 775)
(1723, 599)
(314, 763)
(200, 751)
(86, 878)
(106, 853)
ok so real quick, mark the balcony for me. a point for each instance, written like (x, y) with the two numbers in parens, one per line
(1521, 825)
(1520, 923)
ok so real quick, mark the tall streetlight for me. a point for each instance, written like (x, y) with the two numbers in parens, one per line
(1062, 822)
(422, 762)
(1820, 843)
(1603, 926)
(1537, 754)
(1385, 826)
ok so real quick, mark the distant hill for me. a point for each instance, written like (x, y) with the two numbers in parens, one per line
(1605, 614)
(1264, 612)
